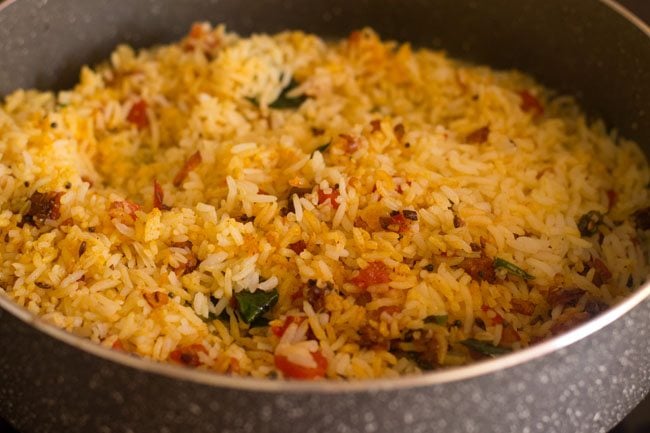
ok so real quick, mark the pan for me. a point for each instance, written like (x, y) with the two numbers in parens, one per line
(583, 381)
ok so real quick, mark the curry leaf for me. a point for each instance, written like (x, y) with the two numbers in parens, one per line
(284, 101)
(484, 347)
(321, 148)
(512, 269)
(438, 319)
(589, 222)
(417, 358)
(252, 305)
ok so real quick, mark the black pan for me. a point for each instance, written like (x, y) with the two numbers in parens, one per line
(582, 381)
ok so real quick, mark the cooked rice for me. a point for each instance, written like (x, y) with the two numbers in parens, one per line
(375, 209)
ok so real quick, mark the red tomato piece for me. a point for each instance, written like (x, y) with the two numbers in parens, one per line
(188, 355)
(117, 345)
(331, 196)
(374, 273)
(138, 114)
(529, 103)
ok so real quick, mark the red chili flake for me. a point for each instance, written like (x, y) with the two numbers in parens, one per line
(192, 262)
(331, 196)
(521, 306)
(374, 273)
(316, 295)
(399, 131)
(480, 268)
(43, 206)
(348, 143)
(159, 196)
(602, 273)
(359, 222)
(402, 186)
(279, 330)
(478, 136)
(295, 371)
(298, 247)
(371, 338)
(120, 209)
(188, 355)
(565, 296)
(529, 103)
(396, 222)
(362, 298)
(156, 299)
(192, 162)
(612, 199)
(138, 114)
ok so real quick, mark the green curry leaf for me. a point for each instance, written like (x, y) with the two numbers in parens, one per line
(511, 268)
(251, 306)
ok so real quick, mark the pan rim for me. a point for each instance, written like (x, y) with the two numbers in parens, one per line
(454, 374)
(437, 377)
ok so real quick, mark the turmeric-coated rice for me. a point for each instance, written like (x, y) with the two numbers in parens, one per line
(283, 206)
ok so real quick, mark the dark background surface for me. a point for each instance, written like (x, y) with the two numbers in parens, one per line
(639, 420)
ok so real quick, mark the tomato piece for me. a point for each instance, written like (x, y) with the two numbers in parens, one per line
(529, 103)
(118, 345)
(295, 371)
(374, 273)
(138, 114)
(188, 355)
(197, 30)
(331, 196)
